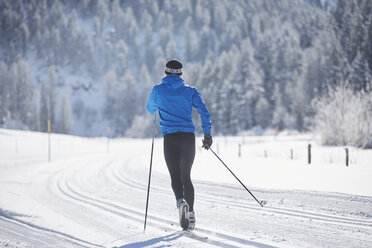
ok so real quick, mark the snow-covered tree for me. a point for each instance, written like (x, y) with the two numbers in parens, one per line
(126, 104)
(258, 63)
(111, 95)
(121, 54)
(263, 112)
(146, 85)
(65, 122)
(44, 108)
(344, 117)
(4, 94)
(103, 13)
(51, 84)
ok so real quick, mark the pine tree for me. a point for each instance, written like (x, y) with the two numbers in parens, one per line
(109, 55)
(159, 65)
(44, 108)
(171, 49)
(65, 115)
(121, 56)
(57, 57)
(146, 87)
(130, 33)
(127, 103)
(149, 44)
(263, 113)
(56, 17)
(4, 94)
(192, 47)
(71, 44)
(115, 8)
(36, 110)
(35, 19)
(51, 91)
(256, 53)
(103, 14)
(25, 92)
(111, 95)
(25, 35)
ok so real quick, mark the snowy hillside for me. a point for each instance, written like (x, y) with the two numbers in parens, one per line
(89, 64)
(93, 194)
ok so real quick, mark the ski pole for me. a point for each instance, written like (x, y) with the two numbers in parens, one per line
(148, 186)
(262, 203)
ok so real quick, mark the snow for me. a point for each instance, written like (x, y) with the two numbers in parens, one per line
(93, 193)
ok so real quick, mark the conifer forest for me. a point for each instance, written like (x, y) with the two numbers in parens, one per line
(89, 66)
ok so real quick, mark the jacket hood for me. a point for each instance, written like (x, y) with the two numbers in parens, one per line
(173, 81)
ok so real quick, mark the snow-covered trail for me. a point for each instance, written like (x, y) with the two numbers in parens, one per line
(97, 199)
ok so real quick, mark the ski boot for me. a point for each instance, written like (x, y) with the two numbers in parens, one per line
(191, 220)
(183, 209)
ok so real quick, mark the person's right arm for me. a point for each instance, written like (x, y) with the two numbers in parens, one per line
(152, 105)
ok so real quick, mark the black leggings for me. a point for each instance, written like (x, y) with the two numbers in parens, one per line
(179, 153)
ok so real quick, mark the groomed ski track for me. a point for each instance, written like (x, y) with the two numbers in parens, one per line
(100, 200)
(75, 193)
(122, 174)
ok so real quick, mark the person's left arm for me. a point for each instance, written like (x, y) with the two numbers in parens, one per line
(198, 103)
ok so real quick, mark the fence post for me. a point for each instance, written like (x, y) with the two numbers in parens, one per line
(265, 153)
(291, 154)
(240, 150)
(347, 156)
(309, 153)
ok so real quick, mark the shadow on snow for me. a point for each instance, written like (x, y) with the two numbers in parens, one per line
(153, 241)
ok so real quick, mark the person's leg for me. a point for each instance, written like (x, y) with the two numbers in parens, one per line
(187, 159)
(172, 159)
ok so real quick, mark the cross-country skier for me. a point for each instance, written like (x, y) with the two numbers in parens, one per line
(174, 101)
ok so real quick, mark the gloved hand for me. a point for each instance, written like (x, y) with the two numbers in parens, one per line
(207, 141)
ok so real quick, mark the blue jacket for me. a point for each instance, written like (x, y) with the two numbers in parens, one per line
(175, 100)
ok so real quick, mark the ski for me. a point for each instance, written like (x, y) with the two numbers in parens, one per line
(193, 235)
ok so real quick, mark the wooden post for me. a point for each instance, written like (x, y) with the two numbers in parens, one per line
(265, 153)
(49, 146)
(240, 150)
(309, 153)
(347, 156)
(291, 154)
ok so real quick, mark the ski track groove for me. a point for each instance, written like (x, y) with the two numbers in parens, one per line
(127, 213)
(282, 211)
(159, 223)
(24, 239)
(52, 181)
(60, 236)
